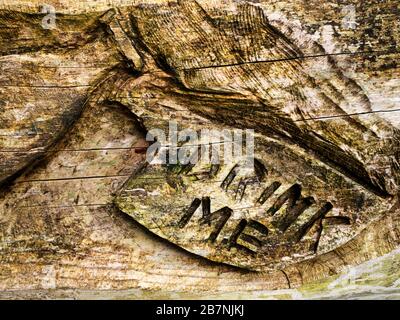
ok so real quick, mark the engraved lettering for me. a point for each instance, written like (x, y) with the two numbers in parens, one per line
(296, 205)
(239, 233)
(319, 215)
(189, 213)
(219, 217)
(268, 192)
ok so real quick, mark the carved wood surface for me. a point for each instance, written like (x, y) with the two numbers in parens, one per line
(76, 102)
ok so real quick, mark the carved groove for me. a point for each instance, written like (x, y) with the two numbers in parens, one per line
(320, 214)
(230, 177)
(268, 192)
(221, 217)
(189, 213)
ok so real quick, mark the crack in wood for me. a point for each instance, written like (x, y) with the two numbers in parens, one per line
(293, 58)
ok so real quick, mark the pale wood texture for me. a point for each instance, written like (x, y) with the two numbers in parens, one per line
(61, 234)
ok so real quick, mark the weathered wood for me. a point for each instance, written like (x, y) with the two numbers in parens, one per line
(322, 98)
(46, 79)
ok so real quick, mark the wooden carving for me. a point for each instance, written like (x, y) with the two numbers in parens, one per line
(326, 160)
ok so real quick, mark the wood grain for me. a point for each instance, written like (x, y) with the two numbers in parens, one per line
(76, 101)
